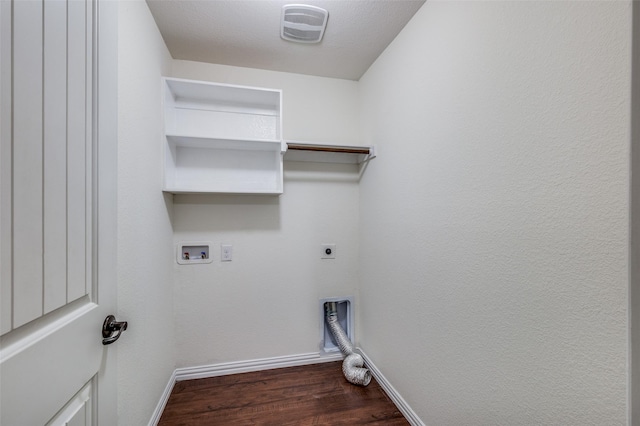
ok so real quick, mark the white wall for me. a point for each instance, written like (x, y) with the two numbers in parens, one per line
(634, 335)
(494, 239)
(146, 352)
(265, 302)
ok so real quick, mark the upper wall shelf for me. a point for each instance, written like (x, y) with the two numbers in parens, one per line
(323, 153)
(222, 138)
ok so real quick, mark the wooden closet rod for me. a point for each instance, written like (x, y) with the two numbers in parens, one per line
(346, 150)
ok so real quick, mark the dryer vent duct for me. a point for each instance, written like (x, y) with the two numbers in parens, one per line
(353, 365)
(302, 23)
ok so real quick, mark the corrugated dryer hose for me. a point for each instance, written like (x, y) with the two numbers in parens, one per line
(352, 366)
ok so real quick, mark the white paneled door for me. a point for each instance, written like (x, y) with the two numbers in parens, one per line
(58, 65)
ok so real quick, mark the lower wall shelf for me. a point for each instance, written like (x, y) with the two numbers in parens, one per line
(210, 165)
(197, 165)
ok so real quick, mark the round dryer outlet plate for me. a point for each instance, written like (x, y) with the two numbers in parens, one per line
(328, 251)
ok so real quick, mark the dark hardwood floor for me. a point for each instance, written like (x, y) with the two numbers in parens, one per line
(308, 395)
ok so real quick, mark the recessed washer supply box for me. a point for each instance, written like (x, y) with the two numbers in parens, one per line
(188, 253)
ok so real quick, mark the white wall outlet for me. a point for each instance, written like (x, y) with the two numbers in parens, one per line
(328, 251)
(226, 253)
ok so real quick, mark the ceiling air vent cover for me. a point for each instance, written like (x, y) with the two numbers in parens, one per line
(302, 23)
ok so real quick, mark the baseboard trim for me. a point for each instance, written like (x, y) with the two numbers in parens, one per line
(391, 392)
(226, 368)
(157, 413)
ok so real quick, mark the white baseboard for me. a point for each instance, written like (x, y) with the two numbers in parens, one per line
(226, 368)
(393, 394)
(157, 413)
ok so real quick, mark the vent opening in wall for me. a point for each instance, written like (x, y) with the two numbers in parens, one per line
(302, 23)
(344, 310)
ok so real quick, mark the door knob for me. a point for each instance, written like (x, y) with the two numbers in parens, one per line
(112, 329)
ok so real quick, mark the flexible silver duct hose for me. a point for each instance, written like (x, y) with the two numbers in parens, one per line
(353, 363)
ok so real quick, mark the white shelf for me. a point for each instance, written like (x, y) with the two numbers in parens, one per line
(222, 138)
(225, 144)
(210, 94)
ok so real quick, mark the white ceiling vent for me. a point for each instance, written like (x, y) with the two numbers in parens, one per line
(302, 23)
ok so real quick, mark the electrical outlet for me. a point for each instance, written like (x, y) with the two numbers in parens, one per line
(328, 251)
(226, 253)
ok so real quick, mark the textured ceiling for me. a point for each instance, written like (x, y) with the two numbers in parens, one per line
(246, 33)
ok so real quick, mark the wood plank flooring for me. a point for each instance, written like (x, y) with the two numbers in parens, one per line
(314, 394)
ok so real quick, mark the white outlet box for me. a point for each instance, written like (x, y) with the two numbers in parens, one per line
(328, 251)
(226, 253)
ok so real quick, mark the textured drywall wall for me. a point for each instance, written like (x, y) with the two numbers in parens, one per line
(265, 302)
(494, 239)
(146, 351)
(634, 334)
